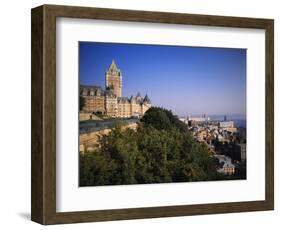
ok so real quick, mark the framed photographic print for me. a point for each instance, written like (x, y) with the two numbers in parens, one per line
(141, 114)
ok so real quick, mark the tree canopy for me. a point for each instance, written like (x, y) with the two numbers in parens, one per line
(161, 150)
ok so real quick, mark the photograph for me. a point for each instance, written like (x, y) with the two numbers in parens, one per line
(161, 114)
(140, 114)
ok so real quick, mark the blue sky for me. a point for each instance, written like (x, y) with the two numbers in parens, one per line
(187, 80)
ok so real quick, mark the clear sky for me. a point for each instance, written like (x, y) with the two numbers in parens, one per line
(187, 80)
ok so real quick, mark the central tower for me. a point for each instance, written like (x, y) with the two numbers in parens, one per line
(113, 79)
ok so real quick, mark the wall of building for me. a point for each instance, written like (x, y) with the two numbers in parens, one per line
(124, 109)
(94, 104)
(90, 141)
(145, 107)
(114, 81)
(226, 124)
(111, 106)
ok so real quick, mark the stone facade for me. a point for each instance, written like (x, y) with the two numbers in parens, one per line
(113, 80)
(89, 142)
(111, 102)
(94, 99)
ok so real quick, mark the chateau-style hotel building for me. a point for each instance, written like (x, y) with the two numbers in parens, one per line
(110, 101)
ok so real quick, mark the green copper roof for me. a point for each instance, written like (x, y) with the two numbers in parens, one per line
(113, 65)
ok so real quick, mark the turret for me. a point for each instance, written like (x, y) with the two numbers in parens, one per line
(146, 100)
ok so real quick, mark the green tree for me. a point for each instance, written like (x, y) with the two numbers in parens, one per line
(96, 169)
(121, 146)
(161, 150)
(156, 118)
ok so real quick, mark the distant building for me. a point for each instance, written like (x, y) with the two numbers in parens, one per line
(194, 120)
(201, 135)
(184, 120)
(227, 166)
(226, 124)
(243, 148)
(111, 102)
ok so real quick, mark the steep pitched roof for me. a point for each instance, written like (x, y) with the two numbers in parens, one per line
(123, 100)
(146, 99)
(90, 90)
(113, 65)
(90, 87)
(113, 69)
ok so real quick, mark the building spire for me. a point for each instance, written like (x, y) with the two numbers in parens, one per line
(113, 65)
(146, 99)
